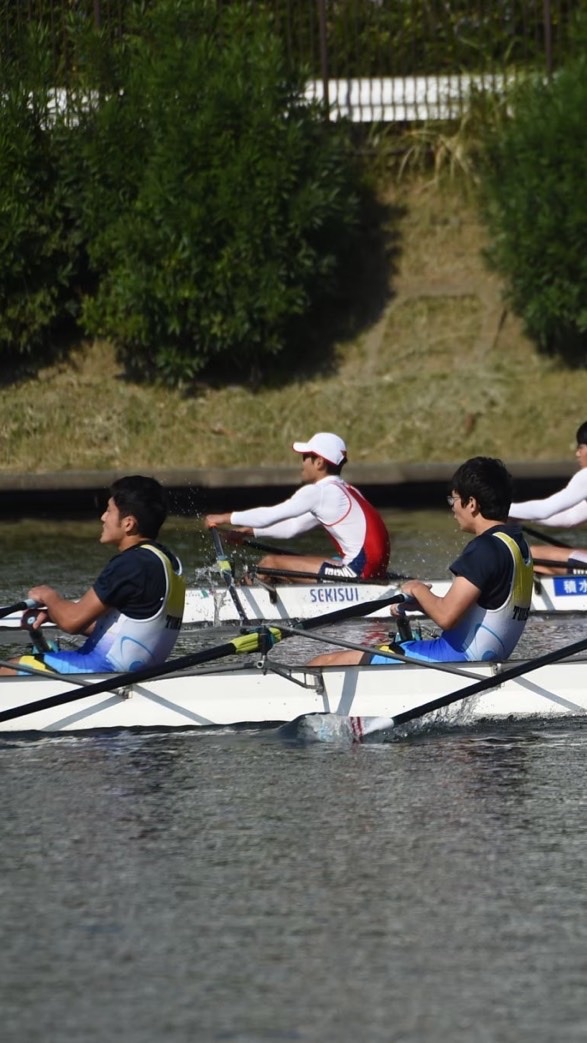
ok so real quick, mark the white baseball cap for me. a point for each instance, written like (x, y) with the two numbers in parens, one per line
(330, 447)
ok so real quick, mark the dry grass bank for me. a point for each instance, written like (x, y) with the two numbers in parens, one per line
(445, 373)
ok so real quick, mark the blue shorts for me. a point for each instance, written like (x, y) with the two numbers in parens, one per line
(68, 662)
(434, 650)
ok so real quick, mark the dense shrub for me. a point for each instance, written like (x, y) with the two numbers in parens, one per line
(38, 244)
(535, 203)
(218, 205)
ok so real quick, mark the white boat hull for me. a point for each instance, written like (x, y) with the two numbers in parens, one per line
(250, 696)
(213, 606)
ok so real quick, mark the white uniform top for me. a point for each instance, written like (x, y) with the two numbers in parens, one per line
(351, 521)
(565, 508)
(491, 634)
(129, 644)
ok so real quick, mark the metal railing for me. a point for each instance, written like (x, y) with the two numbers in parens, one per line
(367, 59)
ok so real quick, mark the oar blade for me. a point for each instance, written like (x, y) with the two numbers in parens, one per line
(327, 727)
(334, 729)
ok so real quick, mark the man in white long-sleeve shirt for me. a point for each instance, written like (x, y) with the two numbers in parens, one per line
(564, 510)
(355, 527)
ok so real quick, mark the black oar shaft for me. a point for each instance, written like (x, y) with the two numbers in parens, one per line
(490, 682)
(242, 643)
(390, 577)
(572, 565)
(244, 541)
(110, 684)
(544, 538)
(18, 606)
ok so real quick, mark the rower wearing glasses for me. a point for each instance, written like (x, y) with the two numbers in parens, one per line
(483, 614)
(563, 510)
(324, 499)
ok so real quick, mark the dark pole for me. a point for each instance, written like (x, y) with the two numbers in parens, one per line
(324, 53)
(548, 37)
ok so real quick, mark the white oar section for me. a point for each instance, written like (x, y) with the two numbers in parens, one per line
(335, 728)
(227, 575)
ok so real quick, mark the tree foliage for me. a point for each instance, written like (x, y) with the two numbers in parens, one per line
(39, 245)
(534, 182)
(218, 204)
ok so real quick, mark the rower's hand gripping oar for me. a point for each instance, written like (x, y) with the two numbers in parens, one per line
(227, 575)
(243, 643)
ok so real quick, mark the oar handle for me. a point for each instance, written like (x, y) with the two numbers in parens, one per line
(18, 606)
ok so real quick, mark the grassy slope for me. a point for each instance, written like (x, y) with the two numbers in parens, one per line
(444, 374)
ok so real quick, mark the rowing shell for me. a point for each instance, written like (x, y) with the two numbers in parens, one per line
(249, 695)
(213, 606)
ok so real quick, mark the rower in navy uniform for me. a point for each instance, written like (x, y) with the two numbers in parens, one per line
(133, 612)
(484, 612)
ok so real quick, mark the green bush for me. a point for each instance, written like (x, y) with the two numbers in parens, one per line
(534, 197)
(38, 244)
(219, 206)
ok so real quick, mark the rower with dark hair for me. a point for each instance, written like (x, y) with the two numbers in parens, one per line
(133, 612)
(484, 612)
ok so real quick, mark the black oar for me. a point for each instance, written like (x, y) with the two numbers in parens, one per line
(227, 575)
(329, 727)
(544, 538)
(390, 577)
(243, 643)
(244, 541)
(572, 565)
(18, 606)
(492, 682)
(398, 657)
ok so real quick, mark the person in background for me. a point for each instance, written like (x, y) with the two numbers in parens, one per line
(563, 510)
(355, 527)
(133, 613)
(484, 612)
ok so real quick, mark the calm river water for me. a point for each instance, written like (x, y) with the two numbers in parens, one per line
(225, 886)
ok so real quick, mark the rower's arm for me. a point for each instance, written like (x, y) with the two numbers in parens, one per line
(74, 617)
(445, 611)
